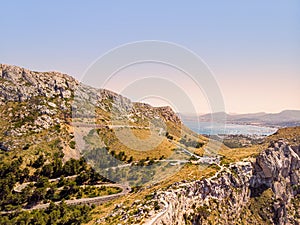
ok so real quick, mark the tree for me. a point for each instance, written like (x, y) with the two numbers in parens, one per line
(25, 175)
(82, 178)
(57, 168)
(130, 159)
(50, 194)
(151, 162)
(71, 167)
(62, 181)
(162, 157)
(39, 162)
(38, 195)
(42, 182)
(47, 170)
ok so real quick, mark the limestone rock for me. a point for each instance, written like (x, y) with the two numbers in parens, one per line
(276, 167)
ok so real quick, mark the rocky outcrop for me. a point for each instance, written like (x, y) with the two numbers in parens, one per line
(169, 114)
(20, 84)
(278, 168)
(33, 101)
(195, 201)
(228, 196)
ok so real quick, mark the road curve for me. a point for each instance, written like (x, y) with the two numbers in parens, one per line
(88, 201)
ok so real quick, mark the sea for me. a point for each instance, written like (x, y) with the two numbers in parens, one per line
(211, 128)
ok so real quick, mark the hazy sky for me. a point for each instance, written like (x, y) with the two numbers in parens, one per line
(252, 47)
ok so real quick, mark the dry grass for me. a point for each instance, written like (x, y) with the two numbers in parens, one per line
(191, 172)
(238, 154)
(164, 148)
(141, 134)
(290, 134)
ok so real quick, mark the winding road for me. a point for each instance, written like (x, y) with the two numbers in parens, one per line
(89, 201)
(125, 188)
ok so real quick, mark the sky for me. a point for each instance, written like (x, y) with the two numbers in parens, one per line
(251, 47)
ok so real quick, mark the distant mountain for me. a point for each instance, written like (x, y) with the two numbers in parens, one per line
(286, 118)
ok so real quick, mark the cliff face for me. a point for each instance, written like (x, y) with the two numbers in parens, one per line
(264, 192)
(32, 103)
(19, 84)
(278, 168)
(224, 195)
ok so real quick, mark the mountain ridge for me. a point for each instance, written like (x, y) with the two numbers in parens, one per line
(282, 119)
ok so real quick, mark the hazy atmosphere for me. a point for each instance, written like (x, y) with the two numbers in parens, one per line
(150, 112)
(252, 48)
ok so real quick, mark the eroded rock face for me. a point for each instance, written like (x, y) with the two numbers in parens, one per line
(277, 164)
(278, 168)
(22, 84)
(169, 114)
(228, 194)
(192, 201)
(120, 108)
(19, 84)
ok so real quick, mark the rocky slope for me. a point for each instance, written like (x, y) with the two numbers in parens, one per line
(36, 105)
(20, 85)
(263, 192)
(35, 108)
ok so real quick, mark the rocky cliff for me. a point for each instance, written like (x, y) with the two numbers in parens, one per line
(263, 192)
(34, 107)
(19, 85)
(278, 168)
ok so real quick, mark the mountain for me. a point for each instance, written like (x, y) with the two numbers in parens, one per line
(73, 154)
(35, 103)
(286, 118)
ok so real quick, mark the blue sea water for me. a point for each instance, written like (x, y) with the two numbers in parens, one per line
(236, 129)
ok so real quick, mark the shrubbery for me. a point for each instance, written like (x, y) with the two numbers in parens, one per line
(61, 214)
(42, 189)
(191, 143)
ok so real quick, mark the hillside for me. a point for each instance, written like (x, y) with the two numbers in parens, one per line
(36, 108)
(259, 186)
(73, 154)
(61, 140)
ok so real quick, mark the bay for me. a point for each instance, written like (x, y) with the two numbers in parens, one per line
(210, 128)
